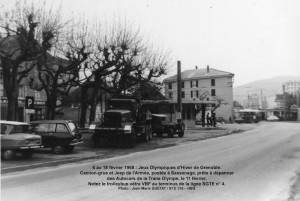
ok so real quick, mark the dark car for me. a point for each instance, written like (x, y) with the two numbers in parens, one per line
(60, 135)
(162, 124)
(15, 139)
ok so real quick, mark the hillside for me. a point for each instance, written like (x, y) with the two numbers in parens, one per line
(267, 88)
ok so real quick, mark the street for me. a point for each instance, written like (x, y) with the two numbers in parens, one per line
(259, 164)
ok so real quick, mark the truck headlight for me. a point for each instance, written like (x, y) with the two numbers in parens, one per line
(127, 129)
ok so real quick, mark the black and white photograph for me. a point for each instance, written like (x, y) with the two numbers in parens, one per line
(150, 100)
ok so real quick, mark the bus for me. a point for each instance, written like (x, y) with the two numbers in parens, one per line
(248, 116)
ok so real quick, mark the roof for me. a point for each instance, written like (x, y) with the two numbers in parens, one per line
(199, 73)
(159, 115)
(13, 122)
(52, 121)
(118, 111)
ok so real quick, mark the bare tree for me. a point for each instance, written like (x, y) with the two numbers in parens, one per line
(60, 72)
(122, 59)
(26, 32)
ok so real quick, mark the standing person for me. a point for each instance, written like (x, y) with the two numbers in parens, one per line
(208, 119)
(213, 119)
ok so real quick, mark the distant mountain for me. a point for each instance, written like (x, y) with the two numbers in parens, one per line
(266, 88)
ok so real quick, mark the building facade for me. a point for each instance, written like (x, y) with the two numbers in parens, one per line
(202, 86)
(25, 115)
(291, 87)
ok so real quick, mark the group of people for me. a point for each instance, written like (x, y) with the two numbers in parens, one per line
(211, 120)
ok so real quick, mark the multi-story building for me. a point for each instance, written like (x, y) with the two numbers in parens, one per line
(291, 87)
(25, 91)
(202, 86)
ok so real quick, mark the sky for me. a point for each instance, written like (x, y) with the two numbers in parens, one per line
(253, 39)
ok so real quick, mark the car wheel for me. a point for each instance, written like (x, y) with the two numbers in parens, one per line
(8, 154)
(58, 149)
(171, 132)
(27, 153)
(70, 148)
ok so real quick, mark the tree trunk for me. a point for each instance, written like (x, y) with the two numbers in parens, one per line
(51, 106)
(94, 100)
(11, 87)
(203, 109)
(84, 106)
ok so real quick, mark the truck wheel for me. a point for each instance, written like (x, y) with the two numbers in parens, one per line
(8, 154)
(147, 134)
(70, 148)
(171, 132)
(27, 153)
(132, 139)
(150, 133)
(58, 149)
(181, 134)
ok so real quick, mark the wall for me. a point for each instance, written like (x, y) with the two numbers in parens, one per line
(223, 89)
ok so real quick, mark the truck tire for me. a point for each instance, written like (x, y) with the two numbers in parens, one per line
(27, 153)
(171, 132)
(151, 133)
(181, 134)
(159, 134)
(148, 133)
(8, 154)
(132, 139)
(69, 148)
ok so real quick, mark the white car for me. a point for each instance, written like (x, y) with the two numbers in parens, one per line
(14, 138)
(273, 118)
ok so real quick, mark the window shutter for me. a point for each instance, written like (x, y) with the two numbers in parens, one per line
(196, 83)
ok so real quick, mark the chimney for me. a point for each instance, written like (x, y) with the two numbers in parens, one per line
(208, 68)
(196, 67)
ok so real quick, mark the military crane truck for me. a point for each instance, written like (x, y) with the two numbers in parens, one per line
(124, 121)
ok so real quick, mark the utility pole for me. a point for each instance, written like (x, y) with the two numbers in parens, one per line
(179, 100)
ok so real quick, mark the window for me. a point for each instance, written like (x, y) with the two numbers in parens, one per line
(22, 91)
(182, 84)
(194, 94)
(170, 95)
(194, 83)
(213, 92)
(213, 82)
(182, 94)
(61, 128)
(37, 94)
(45, 128)
(170, 85)
(2, 91)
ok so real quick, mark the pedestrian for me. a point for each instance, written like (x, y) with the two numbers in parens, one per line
(230, 119)
(208, 121)
(213, 119)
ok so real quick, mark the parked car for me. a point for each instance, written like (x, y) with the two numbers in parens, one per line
(60, 135)
(273, 118)
(15, 139)
(162, 124)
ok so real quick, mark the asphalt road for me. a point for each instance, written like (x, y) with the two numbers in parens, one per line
(260, 164)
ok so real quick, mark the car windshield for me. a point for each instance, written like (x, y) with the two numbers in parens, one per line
(13, 129)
